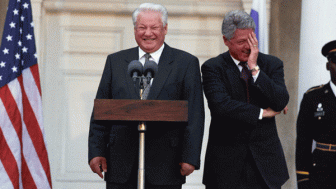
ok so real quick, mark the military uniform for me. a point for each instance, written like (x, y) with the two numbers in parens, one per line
(317, 121)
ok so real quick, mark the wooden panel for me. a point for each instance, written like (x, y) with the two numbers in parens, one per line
(140, 110)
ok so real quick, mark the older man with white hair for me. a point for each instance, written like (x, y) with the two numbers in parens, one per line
(172, 149)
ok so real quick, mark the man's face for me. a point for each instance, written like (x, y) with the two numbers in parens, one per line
(149, 31)
(331, 66)
(238, 45)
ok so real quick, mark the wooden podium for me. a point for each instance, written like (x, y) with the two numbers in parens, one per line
(142, 111)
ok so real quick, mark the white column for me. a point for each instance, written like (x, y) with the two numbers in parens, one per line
(318, 26)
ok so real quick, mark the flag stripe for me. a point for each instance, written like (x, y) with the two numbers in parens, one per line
(27, 179)
(4, 178)
(34, 131)
(34, 94)
(11, 107)
(8, 163)
(35, 72)
(30, 163)
(28, 148)
(11, 124)
(14, 93)
(11, 129)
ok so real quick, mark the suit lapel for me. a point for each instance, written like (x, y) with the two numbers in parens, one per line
(132, 54)
(165, 68)
(233, 73)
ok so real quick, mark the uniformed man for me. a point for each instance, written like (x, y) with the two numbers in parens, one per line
(317, 121)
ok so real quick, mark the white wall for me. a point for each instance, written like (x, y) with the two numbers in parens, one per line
(318, 26)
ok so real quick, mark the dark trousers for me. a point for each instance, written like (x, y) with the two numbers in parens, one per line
(319, 178)
(132, 186)
(322, 174)
(251, 177)
(132, 183)
(312, 184)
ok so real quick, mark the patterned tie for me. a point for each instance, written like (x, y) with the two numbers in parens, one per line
(147, 84)
(246, 75)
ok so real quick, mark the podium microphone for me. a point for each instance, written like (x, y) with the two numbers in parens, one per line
(135, 69)
(150, 69)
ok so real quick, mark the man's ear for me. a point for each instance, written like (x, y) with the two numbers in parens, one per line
(328, 65)
(226, 41)
(165, 28)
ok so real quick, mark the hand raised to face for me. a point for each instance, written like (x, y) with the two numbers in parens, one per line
(253, 43)
(243, 46)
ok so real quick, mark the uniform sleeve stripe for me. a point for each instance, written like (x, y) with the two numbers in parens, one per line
(302, 172)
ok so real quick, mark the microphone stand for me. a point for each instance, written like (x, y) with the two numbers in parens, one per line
(142, 130)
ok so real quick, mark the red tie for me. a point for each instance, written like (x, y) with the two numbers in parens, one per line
(246, 75)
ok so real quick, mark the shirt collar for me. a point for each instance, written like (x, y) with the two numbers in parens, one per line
(237, 63)
(235, 60)
(155, 56)
(333, 87)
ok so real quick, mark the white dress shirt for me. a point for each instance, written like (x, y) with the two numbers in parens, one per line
(155, 56)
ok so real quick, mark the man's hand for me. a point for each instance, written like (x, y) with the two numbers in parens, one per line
(186, 169)
(268, 113)
(97, 165)
(253, 43)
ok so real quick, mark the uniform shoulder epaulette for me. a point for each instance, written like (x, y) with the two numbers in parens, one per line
(314, 88)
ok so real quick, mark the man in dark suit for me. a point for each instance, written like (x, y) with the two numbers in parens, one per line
(317, 121)
(172, 149)
(244, 150)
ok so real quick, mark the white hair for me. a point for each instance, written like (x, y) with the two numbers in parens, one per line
(151, 7)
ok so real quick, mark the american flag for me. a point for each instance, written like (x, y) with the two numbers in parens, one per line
(23, 155)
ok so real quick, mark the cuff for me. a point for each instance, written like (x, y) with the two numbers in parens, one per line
(261, 113)
(302, 176)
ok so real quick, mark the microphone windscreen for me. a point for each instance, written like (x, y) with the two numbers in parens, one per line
(135, 66)
(151, 67)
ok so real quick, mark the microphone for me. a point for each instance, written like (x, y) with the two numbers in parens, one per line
(135, 69)
(150, 69)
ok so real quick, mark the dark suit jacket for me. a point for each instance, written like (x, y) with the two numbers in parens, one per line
(167, 143)
(235, 128)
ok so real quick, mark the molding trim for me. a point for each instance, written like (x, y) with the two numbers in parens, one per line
(175, 7)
